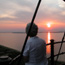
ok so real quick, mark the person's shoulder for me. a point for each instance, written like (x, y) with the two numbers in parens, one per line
(29, 41)
(42, 40)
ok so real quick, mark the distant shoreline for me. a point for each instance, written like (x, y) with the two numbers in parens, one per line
(38, 32)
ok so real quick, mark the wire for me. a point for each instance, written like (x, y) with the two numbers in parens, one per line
(60, 48)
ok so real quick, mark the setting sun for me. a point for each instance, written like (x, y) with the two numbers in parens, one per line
(48, 25)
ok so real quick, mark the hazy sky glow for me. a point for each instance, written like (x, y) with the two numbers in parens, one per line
(15, 14)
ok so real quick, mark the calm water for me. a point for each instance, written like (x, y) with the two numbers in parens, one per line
(16, 41)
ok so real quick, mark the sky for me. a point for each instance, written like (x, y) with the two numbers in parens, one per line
(16, 14)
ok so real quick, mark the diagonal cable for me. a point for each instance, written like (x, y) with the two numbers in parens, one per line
(60, 48)
(21, 55)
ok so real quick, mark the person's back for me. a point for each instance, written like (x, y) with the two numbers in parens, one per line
(37, 49)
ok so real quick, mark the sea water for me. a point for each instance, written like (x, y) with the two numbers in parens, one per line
(16, 41)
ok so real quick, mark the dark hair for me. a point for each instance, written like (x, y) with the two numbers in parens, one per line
(34, 29)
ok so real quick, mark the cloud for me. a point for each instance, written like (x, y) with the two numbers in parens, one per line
(10, 8)
(18, 7)
(51, 11)
(61, 3)
(7, 16)
(17, 10)
(63, 13)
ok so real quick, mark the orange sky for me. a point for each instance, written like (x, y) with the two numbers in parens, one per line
(41, 25)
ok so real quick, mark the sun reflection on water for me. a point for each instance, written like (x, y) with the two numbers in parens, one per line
(48, 41)
(48, 37)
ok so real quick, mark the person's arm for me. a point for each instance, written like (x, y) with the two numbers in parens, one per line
(26, 52)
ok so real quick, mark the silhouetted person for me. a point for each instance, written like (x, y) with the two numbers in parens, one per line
(35, 49)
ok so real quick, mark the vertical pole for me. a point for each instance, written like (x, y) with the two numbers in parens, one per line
(52, 52)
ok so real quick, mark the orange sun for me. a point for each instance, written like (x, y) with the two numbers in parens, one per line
(48, 25)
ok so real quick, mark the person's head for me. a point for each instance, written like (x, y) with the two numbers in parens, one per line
(34, 29)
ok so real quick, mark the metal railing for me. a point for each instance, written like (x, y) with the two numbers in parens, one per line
(52, 43)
